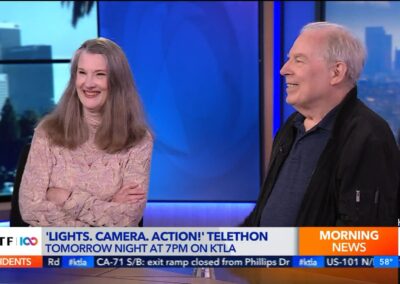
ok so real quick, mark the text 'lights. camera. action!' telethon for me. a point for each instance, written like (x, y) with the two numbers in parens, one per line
(311, 247)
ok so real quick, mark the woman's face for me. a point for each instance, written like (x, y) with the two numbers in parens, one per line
(92, 81)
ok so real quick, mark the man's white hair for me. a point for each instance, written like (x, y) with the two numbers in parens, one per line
(342, 45)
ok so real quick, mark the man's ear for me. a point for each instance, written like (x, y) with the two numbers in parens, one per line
(338, 72)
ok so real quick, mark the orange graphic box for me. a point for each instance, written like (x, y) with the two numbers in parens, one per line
(348, 241)
(19, 261)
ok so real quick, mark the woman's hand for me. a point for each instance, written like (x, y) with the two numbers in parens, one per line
(57, 195)
(129, 194)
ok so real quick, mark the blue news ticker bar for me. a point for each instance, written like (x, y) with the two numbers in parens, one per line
(77, 261)
(221, 261)
(308, 261)
(349, 261)
(386, 261)
(165, 261)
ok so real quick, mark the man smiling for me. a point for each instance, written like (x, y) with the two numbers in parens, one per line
(334, 162)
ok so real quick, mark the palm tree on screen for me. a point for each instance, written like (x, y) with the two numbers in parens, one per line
(79, 9)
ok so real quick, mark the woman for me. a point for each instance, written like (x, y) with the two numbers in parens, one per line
(90, 158)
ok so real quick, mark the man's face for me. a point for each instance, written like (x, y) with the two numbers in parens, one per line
(306, 71)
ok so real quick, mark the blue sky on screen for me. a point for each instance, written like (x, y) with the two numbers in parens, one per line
(49, 23)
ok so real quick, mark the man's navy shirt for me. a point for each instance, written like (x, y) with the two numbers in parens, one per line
(287, 194)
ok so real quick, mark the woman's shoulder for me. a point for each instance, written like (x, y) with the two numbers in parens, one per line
(40, 132)
(146, 141)
(148, 136)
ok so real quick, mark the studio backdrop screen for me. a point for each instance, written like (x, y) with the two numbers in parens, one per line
(196, 67)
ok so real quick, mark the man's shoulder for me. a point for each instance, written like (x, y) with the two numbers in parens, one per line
(364, 120)
(368, 117)
(367, 113)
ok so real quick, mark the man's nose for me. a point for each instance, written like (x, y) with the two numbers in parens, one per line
(285, 69)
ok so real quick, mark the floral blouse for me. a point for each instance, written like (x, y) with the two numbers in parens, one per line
(92, 175)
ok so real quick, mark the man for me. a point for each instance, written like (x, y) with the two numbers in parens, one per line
(334, 162)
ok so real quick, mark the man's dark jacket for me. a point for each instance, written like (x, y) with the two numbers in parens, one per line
(357, 178)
